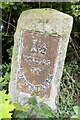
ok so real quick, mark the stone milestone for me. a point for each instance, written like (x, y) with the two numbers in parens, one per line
(40, 45)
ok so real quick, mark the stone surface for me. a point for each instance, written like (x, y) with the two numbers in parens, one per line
(40, 44)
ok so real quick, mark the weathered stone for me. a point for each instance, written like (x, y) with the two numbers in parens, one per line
(40, 45)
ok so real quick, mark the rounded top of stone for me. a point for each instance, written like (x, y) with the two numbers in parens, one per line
(45, 20)
(45, 12)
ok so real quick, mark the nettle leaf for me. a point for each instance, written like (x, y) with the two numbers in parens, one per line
(4, 83)
(3, 96)
(33, 101)
(44, 112)
(5, 108)
(20, 108)
(36, 108)
(21, 114)
(15, 7)
(7, 76)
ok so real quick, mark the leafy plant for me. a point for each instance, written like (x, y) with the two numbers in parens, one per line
(45, 111)
(40, 108)
(5, 80)
(6, 108)
(10, 51)
(68, 93)
(20, 111)
(5, 105)
(3, 96)
(21, 114)
(5, 68)
(32, 100)
(20, 108)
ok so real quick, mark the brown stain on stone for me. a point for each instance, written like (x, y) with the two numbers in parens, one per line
(52, 44)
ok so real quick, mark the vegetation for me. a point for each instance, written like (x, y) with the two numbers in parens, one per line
(70, 85)
(5, 105)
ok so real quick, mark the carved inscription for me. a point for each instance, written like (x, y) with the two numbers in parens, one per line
(40, 48)
(37, 56)
(36, 60)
